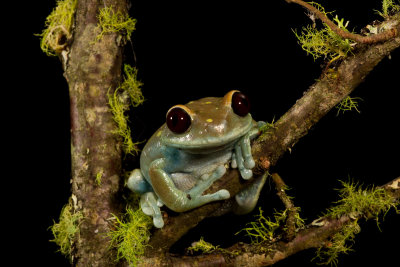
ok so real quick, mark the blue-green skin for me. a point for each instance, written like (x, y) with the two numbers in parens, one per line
(175, 169)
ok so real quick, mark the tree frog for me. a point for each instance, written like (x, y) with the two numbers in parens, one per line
(192, 150)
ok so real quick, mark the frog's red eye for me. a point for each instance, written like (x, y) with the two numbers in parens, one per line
(240, 104)
(178, 120)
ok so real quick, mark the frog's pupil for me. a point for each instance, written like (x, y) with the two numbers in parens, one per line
(240, 104)
(178, 121)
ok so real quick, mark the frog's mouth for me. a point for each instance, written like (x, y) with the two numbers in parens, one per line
(205, 144)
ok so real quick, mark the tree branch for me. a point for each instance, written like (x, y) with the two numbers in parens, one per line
(375, 38)
(321, 97)
(266, 254)
(93, 66)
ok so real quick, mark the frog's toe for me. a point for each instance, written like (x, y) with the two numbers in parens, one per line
(147, 210)
(219, 172)
(158, 221)
(233, 162)
(223, 194)
(246, 174)
(249, 163)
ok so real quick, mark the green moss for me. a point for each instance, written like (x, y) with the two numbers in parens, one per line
(206, 248)
(348, 104)
(128, 93)
(340, 243)
(131, 235)
(99, 175)
(66, 229)
(115, 22)
(132, 85)
(355, 202)
(264, 228)
(324, 42)
(202, 246)
(267, 127)
(389, 7)
(58, 27)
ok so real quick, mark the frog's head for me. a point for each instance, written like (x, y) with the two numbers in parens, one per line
(209, 123)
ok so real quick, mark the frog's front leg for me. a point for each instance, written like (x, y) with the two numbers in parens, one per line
(242, 157)
(181, 201)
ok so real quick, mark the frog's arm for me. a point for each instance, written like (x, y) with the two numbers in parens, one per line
(178, 200)
(242, 157)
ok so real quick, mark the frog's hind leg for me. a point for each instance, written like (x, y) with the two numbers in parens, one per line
(150, 207)
(247, 198)
(137, 183)
(178, 200)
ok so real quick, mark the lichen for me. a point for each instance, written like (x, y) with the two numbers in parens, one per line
(58, 27)
(115, 22)
(127, 94)
(324, 42)
(348, 104)
(67, 228)
(130, 235)
(356, 203)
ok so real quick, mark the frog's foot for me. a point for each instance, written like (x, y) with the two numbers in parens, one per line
(248, 197)
(137, 183)
(150, 206)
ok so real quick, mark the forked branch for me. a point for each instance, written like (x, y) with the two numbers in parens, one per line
(320, 98)
(375, 38)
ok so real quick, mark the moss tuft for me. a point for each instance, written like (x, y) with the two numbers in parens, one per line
(348, 104)
(115, 22)
(128, 93)
(340, 243)
(131, 235)
(65, 230)
(324, 42)
(132, 85)
(389, 7)
(58, 27)
(202, 246)
(355, 202)
(266, 129)
(264, 228)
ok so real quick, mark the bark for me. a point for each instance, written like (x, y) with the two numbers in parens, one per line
(319, 99)
(92, 68)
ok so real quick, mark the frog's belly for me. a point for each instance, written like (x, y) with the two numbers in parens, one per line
(199, 167)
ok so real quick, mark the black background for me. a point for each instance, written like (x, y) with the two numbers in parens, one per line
(185, 51)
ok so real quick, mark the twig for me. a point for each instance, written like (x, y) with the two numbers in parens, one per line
(380, 37)
(290, 207)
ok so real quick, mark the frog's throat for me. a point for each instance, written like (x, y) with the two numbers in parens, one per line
(213, 143)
